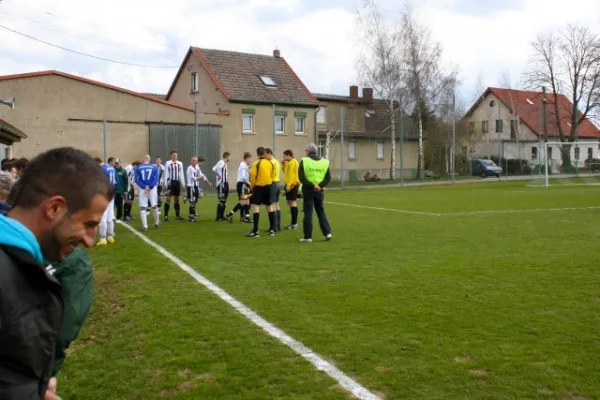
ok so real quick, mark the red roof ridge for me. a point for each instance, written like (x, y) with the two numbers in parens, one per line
(308, 92)
(93, 82)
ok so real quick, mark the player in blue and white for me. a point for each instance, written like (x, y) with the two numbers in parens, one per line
(107, 225)
(147, 177)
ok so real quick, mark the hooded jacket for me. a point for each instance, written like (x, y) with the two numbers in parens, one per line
(31, 313)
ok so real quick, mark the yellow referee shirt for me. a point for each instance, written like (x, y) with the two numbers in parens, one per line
(290, 174)
(276, 170)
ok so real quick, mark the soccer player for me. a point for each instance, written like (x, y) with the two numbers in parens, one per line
(107, 225)
(292, 183)
(175, 178)
(315, 175)
(161, 178)
(243, 190)
(261, 179)
(194, 192)
(146, 178)
(220, 170)
(275, 189)
(130, 194)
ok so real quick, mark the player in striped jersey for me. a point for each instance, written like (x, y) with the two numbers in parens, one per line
(107, 225)
(130, 194)
(194, 191)
(243, 190)
(222, 174)
(175, 178)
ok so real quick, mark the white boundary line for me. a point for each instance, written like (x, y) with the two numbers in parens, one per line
(355, 388)
(452, 214)
(386, 209)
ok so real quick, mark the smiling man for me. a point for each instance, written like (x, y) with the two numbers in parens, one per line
(56, 205)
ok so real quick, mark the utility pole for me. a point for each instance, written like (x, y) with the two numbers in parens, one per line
(452, 149)
(545, 122)
(342, 147)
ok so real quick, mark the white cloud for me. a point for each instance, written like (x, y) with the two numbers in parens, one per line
(316, 39)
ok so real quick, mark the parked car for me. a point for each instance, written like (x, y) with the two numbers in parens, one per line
(592, 164)
(485, 168)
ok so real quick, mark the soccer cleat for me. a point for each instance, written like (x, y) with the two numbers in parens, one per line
(156, 225)
(191, 219)
(291, 227)
(271, 232)
(145, 229)
(179, 218)
(304, 240)
(102, 242)
(166, 219)
(229, 217)
(253, 235)
(328, 237)
(110, 239)
(128, 218)
(185, 200)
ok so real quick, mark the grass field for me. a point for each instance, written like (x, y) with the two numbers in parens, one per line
(454, 292)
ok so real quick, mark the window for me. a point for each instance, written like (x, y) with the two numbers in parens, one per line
(513, 129)
(321, 116)
(485, 126)
(267, 80)
(352, 150)
(279, 124)
(534, 153)
(380, 151)
(499, 126)
(194, 82)
(248, 123)
(321, 147)
(577, 152)
(549, 153)
(471, 127)
(590, 152)
(300, 124)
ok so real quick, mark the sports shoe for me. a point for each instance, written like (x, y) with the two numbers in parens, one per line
(229, 217)
(253, 235)
(156, 225)
(128, 218)
(179, 218)
(166, 219)
(271, 232)
(145, 229)
(102, 242)
(185, 200)
(191, 219)
(328, 237)
(291, 227)
(110, 239)
(304, 240)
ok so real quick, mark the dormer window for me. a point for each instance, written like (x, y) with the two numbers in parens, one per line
(267, 81)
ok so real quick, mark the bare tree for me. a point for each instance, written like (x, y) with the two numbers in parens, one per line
(568, 63)
(380, 64)
(425, 78)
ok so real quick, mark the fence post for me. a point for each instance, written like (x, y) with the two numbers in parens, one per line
(196, 129)
(342, 147)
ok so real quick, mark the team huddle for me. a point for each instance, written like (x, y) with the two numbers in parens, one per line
(258, 184)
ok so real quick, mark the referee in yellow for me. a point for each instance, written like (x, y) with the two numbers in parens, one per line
(315, 175)
(292, 185)
(275, 189)
(262, 173)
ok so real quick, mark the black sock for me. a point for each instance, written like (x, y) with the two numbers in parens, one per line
(272, 220)
(167, 207)
(127, 210)
(236, 208)
(278, 217)
(294, 211)
(246, 211)
(256, 218)
(177, 209)
(192, 211)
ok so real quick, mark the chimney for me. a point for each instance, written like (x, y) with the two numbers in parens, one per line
(368, 96)
(276, 53)
(353, 94)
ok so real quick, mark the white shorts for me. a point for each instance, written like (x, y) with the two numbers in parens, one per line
(109, 214)
(143, 198)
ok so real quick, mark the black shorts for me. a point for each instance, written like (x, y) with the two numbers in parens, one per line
(275, 192)
(223, 192)
(193, 194)
(174, 189)
(242, 189)
(130, 195)
(261, 195)
(292, 195)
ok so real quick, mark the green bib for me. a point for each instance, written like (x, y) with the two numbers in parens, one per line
(314, 170)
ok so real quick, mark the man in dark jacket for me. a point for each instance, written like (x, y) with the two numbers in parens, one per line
(121, 188)
(314, 175)
(56, 205)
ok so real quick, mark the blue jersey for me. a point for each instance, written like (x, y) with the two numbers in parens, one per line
(146, 175)
(111, 174)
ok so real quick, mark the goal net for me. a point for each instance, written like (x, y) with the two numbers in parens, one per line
(566, 164)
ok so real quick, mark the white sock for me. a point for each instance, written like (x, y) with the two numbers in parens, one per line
(102, 229)
(156, 217)
(144, 218)
(110, 225)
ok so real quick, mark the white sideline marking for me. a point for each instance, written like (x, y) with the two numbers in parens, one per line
(534, 210)
(315, 359)
(386, 209)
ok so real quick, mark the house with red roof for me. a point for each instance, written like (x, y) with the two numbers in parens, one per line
(509, 123)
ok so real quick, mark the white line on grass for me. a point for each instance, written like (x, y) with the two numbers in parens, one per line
(315, 359)
(387, 209)
(534, 210)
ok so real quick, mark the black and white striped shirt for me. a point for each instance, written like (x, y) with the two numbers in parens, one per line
(221, 172)
(174, 171)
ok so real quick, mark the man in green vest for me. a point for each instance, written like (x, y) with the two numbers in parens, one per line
(314, 175)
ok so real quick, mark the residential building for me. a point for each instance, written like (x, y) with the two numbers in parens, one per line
(367, 136)
(495, 130)
(265, 102)
(9, 135)
(60, 109)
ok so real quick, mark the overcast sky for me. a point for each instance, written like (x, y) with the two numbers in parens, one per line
(316, 36)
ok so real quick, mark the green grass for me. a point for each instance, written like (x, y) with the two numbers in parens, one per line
(477, 306)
